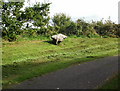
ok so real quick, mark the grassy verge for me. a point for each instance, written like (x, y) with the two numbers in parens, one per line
(111, 83)
(23, 60)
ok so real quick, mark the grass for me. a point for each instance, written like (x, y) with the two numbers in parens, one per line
(111, 83)
(23, 60)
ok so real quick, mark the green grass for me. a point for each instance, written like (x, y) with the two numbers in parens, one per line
(111, 83)
(23, 60)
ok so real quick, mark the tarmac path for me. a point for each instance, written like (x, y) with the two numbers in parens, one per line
(86, 75)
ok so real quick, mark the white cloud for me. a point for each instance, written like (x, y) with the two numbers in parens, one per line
(92, 9)
(86, 8)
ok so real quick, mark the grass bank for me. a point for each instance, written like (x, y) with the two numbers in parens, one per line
(23, 60)
(111, 83)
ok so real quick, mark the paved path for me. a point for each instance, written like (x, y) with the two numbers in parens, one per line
(82, 76)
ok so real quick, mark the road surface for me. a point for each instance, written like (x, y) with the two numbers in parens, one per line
(87, 75)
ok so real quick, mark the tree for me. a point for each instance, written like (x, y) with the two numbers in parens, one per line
(71, 29)
(98, 26)
(11, 20)
(60, 22)
(39, 15)
(85, 28)
(108, 28)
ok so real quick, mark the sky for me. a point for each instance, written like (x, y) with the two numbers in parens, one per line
(85, 9)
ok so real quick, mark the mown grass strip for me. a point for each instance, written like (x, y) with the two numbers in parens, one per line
(57, 52)
(35, 59)
(30, 70)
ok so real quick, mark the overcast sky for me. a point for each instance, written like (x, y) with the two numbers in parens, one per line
(88, 9)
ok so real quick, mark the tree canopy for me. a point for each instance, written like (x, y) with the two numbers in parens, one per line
(14, 18)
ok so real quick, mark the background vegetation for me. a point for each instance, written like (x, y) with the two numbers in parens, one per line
(35, 20)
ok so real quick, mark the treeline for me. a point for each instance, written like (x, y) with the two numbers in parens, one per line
(35, 20)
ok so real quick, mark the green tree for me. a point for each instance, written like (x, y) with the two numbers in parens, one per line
(79, 26)
(108, 28)
(71, 29)
(85, 28)
(60, 22)
(98, 26)
(39, 15)
(116, 30)
(11, 20)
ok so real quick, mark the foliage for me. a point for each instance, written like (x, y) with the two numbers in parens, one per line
(38, 14)
(108, 28)
(85, 28)
(60, 22)
(71, 29)
(35, 20)
(11, 20)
